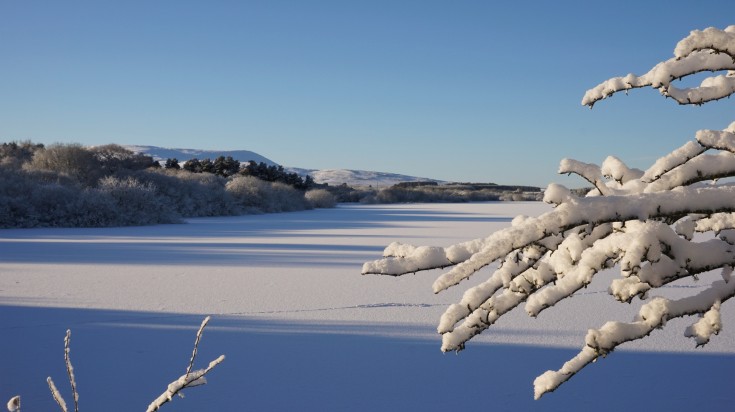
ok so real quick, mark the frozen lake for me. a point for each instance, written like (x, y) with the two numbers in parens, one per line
(303, 330)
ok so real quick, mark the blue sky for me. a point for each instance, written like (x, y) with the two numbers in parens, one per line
(479, 91)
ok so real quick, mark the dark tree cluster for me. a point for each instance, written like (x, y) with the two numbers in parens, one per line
(227, 167)
(275, 173)
(221, 166)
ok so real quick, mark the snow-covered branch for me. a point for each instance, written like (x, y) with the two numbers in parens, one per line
(642, 222)
(651, 316)
(70, 370)
(56, 395)
(720, 41)
(575, 212)
(72, 380)
(188, 379)
(707, 50)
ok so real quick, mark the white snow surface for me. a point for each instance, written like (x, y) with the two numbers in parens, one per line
(303, 330)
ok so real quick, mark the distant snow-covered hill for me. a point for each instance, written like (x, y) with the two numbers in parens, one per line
(334, 177)
(161, 154)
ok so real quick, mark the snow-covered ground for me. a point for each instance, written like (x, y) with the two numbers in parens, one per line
(304, 331)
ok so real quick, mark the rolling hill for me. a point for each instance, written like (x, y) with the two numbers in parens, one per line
(333, 177)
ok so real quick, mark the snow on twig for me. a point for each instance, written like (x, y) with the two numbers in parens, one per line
(652, 316)
(188, 379)
(14, 404)
(70, 370)
(56, 395)
(707, 50)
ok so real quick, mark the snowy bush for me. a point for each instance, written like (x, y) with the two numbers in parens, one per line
(67, 185)
(247, 190)
(136, 202)
(253, 193)
(71, 160)
(191, 194)
(281, 197)
(113, 158)
(41, 199)
(320, 198)
(640, 221)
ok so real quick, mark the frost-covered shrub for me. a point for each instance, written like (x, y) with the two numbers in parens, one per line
(320, 198)
(55, 205)
(67, 185)
(113, 158)
(641, 221)
(136, 202)
(33, 200)
(14, 207)
(191, 194)
(207, 194)
(453, 193)
(284, 198)
(247, 191)
(255, 194)
(14, 154)
(71, 160)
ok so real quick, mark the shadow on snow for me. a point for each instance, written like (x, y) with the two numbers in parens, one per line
(123, 360)
(230, 240)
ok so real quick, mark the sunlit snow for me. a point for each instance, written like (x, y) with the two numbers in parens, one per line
(303, 330)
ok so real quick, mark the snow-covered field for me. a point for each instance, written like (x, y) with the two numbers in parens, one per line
(304, 331)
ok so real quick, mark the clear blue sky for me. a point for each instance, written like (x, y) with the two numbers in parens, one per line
(453, 90)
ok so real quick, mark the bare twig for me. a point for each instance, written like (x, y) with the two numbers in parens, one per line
(56, 394)
(190, 378)
(196, 345)
(70, 370)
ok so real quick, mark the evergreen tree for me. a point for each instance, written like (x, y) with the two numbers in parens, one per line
(172, 164)
(193, 165)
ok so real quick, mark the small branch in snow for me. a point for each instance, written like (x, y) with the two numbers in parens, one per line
(190, 378)
(56, 394)
(70, 370)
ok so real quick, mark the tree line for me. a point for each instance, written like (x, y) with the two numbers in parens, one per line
(226, 166)
(69, 185)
